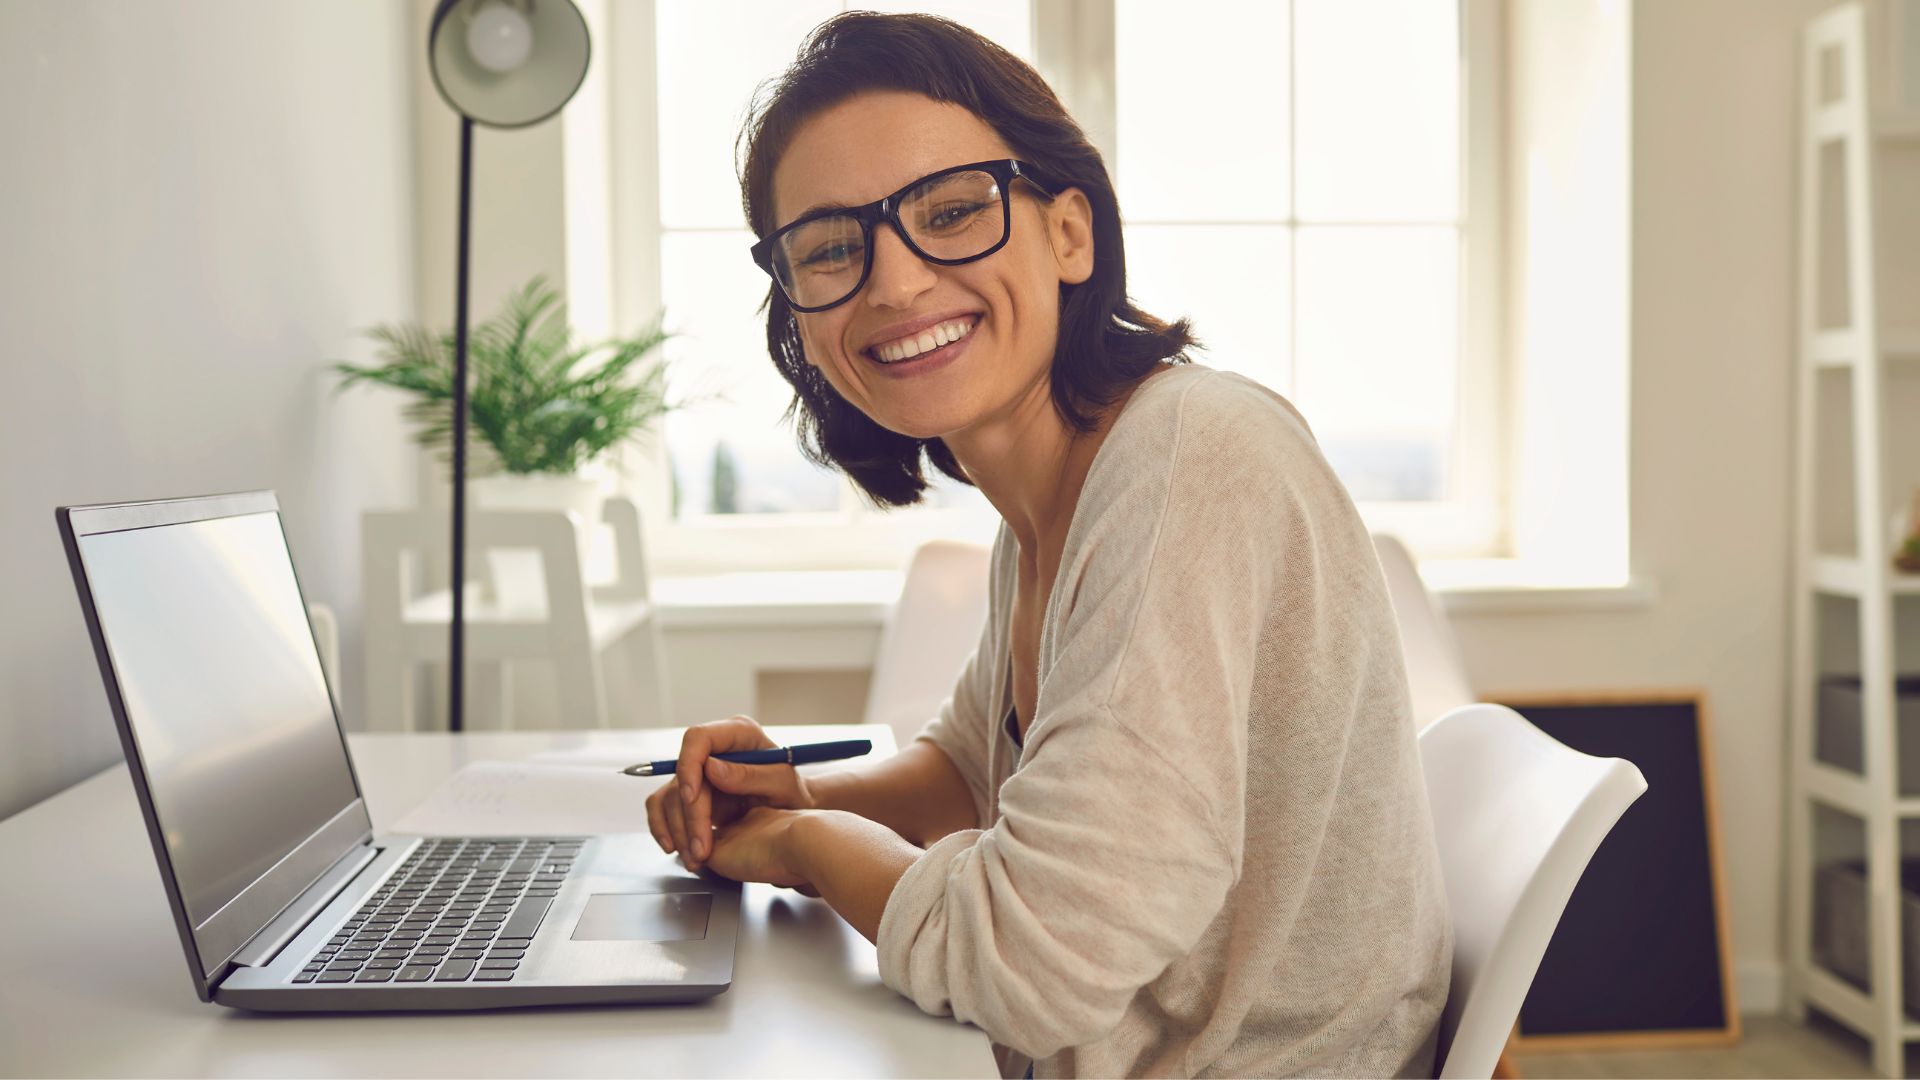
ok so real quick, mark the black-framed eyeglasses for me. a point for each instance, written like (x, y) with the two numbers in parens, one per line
(951, 217)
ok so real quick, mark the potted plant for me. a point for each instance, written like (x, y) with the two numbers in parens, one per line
(543, 407)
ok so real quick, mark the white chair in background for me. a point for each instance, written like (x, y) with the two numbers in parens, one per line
(1436, 676)
(556, 617)
(1517, 815)
(933, 629)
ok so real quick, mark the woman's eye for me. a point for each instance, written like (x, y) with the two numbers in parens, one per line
(830, 256)
(949, 215)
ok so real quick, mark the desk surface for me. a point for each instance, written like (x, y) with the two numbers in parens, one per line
(92, 980)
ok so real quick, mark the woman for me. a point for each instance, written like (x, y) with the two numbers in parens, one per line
(1172, 820)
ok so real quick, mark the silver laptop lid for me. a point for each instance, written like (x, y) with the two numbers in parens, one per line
(231, 735)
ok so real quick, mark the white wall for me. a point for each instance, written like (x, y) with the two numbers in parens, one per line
(1712, 333)
(201, 205)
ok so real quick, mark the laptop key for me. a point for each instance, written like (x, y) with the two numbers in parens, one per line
(334, 977)
(506, 954)
(377, 963)
(493, 964)
(454, 971)
(526, 917)
(414, 973)
(468, 954)
(305, 976)
(375, 975)
(493, 975)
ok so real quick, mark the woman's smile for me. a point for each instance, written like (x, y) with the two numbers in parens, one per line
(910, 341)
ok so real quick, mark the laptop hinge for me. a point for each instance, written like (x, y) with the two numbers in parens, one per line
(265, 945)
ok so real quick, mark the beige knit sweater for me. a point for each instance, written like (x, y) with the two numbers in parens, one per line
(1212, 856)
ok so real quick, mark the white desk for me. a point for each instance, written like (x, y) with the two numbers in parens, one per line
(92, 981)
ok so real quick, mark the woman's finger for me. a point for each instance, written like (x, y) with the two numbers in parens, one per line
(778, 784)
(696, 746)
(657, 817)
(678, 827)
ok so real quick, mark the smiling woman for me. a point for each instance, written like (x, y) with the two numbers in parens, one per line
(1171, 820)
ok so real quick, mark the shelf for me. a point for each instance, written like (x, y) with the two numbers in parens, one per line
(1832, 348)
(1840, 349)
(1842, 575)
(1836, 787)
(1839, 999)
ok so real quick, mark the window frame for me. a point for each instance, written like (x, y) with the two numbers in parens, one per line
(1073, 47)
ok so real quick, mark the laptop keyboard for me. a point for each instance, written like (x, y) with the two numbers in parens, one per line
(457, 910)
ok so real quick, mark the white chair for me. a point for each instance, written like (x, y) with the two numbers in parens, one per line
(1517, 815)
(556, 617)
(1436, 676)
(933, 629)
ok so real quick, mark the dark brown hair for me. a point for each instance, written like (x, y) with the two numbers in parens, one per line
(1104, 341)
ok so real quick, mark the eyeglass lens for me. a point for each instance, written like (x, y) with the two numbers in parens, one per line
(953, 217)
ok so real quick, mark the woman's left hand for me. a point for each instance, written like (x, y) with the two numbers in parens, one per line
(757, 848)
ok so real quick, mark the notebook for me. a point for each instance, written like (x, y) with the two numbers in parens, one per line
(283, 897)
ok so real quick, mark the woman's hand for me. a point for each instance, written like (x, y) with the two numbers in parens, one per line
(756, 848)
(706, 794)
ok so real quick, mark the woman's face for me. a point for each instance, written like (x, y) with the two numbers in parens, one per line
(999, 316)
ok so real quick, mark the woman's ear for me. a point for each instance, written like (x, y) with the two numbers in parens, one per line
(1070, 231)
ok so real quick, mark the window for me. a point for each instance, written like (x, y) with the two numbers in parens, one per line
(1315, 228)
(1332, 232)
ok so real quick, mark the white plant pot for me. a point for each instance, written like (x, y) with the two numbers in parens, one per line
(519, 586)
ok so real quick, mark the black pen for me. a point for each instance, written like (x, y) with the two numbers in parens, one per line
(778, 755)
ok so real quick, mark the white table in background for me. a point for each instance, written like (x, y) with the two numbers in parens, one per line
(92, 980)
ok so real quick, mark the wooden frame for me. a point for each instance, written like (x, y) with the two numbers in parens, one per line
(1709, 787)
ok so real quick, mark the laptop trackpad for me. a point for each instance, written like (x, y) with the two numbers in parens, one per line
(644, 917)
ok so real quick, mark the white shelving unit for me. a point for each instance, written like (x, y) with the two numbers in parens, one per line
(1858, 367)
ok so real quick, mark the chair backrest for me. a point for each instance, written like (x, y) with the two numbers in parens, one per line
(1436, 676)
(1517, 815)
(932, 631)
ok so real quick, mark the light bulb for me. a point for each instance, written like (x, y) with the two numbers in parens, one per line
(499, 38)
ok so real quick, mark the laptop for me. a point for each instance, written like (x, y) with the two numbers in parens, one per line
(284, 898)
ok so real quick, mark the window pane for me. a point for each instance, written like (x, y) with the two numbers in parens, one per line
(712, 56)
(1377, 110)
(1201, 108)
(713, 291)
(1378, 341)
(1231, 280)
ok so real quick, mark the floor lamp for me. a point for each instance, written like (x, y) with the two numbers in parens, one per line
(505, 64)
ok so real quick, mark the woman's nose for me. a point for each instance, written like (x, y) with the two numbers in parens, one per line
(898, 274)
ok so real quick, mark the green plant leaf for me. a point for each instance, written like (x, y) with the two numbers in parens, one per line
(537, 400)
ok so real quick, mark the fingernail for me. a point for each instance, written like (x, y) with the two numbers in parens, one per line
(699, 849)
(686, 792)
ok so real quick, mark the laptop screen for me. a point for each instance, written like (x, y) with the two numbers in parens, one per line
(223, 689)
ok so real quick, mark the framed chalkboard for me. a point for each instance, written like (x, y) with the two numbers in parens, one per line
(1642, 957)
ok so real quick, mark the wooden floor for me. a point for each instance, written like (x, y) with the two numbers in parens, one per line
(1772, 1048)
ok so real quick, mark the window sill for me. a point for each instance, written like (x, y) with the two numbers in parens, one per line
(855, 598)
(1516, 586)
(796, 598)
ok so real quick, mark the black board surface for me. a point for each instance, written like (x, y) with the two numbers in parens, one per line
(1639, 947)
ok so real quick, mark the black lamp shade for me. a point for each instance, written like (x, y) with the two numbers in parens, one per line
(535, 87)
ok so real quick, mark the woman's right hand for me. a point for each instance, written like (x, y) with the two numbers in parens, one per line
(707, 794)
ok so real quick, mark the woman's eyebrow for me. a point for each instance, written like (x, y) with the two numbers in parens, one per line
(821, 210)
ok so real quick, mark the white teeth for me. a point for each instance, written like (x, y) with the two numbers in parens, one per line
(928, 340)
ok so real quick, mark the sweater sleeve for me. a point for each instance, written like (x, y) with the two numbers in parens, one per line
(1119, 836)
